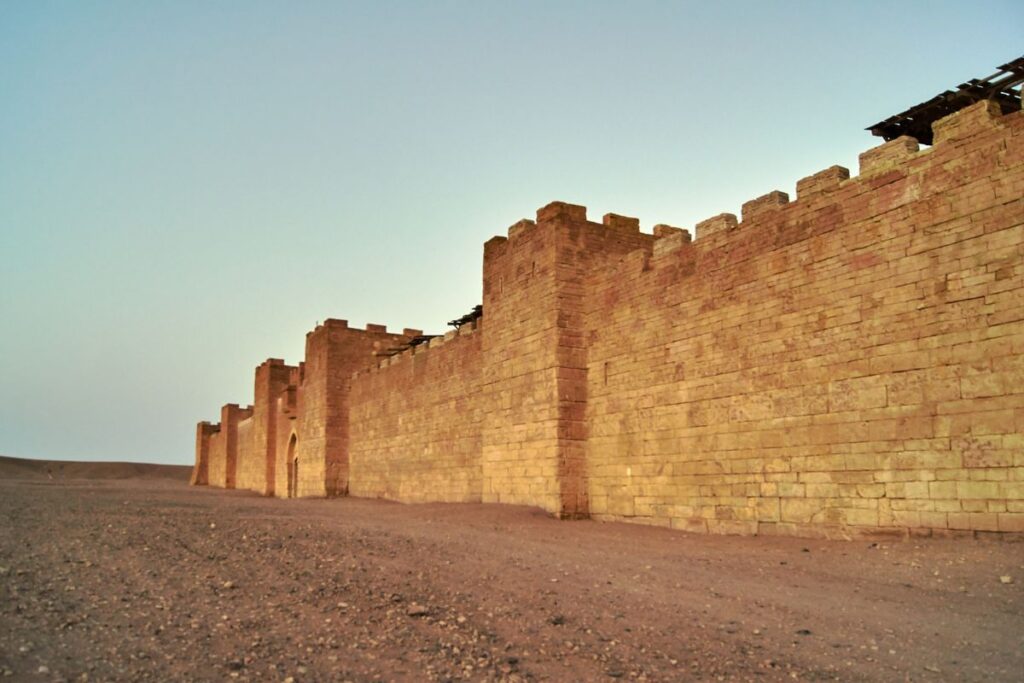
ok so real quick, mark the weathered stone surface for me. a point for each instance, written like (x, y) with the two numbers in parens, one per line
(845, 363)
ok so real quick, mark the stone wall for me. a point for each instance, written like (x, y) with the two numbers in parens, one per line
(248, 469)
(847, 362)
(534, 387)
(334, 352)
(417, 423)
(217, 466)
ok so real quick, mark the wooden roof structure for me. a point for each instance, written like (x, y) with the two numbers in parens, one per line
(475, 314)
(1002, 87)
(414, 341)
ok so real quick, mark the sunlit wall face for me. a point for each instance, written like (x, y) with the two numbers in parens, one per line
(185, 189)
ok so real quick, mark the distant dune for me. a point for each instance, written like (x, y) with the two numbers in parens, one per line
(21, 468)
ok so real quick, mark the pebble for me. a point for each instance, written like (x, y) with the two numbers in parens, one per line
(1005, 579)
(415, 610)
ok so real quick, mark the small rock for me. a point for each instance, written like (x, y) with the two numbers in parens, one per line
(229, 584)
(43, 670)
(236, 665)
(557, 620)
(1005, 579)
(416, 610)
(804, 632)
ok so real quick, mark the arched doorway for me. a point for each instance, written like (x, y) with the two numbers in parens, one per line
(293, 468)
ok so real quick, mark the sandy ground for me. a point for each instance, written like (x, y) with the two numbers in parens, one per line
(149, 579)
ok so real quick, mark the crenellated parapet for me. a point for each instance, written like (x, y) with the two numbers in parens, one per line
(802, 371)
(838, 360)
(772, 219)
(409, 352)
(888, 156)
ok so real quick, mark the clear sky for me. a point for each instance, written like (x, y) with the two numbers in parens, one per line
(186, 188)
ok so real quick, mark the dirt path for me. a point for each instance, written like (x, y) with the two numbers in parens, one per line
(150, 580)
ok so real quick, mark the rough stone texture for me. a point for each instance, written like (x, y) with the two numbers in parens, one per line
(534, 345)
(848, 362)
(417, 423)
(201, 470)
(722, 223)
(223, 447)
(852, 360)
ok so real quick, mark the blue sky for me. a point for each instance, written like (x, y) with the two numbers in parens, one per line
(186, 188)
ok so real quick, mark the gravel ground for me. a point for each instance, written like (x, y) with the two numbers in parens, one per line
(138, 580)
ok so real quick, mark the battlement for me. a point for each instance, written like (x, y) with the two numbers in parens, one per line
(888, 155)
(668, 238)
(209, 428)
(722, 223)
(330, 323)
(336, 325)
(844, 362)
(418, 350)
(763, 205)
(614, 221)
(233, 412)
(833, 185)
(557, 211)
(821, 182)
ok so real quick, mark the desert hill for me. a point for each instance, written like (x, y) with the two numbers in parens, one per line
(23, 468)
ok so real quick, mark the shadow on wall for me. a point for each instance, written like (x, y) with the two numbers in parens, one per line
(293, 468)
